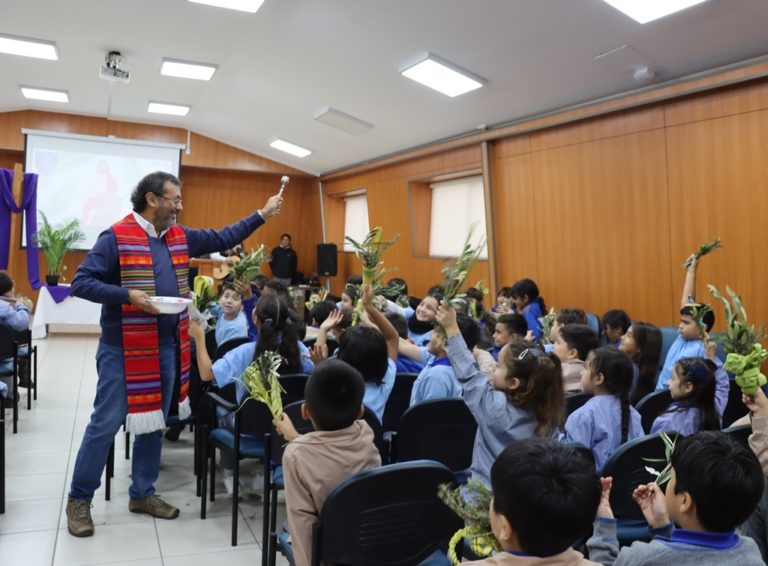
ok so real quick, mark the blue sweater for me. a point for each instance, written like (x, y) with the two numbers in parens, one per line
(98, 277)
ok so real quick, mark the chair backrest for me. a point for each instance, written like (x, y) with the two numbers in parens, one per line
(227, 346)
(276, 443)
(652, 405)
(255, 418)
(668, 335)
(293, 384)
(7, 342)
(24, 337)
(378, 433)
(441, 429)
(593, 321)
(573, 402)
(330, 342)
(210, 343)
(735, 408)
(627, 466)
(399, 400)
(740, 433)
(389, 515)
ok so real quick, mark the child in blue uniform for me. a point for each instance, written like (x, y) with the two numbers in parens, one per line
(528, 302)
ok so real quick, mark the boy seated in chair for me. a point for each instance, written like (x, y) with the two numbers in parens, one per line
(715, 485)
(14, 313)
(545, 495)
(316, 462)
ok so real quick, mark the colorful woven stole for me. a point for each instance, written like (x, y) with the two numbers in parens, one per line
(141, 344)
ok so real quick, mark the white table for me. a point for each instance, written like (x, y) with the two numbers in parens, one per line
(71, 311)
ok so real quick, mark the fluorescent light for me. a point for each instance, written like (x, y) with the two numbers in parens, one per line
(644, 11)
(250, 6)
(291, 148)
(342, 121)
(187, 70)
(172, 109)
(442, 76)
(50, 95)
(28, 47)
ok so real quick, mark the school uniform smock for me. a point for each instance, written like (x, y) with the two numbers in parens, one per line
(679, 349)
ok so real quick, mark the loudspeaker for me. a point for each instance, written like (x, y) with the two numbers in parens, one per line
(326, 259)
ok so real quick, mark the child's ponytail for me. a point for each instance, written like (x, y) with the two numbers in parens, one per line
(278, 333)
(618, 372)
(700, 373)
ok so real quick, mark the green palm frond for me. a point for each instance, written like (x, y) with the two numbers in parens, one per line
(261, 380)
(704, 249)
(471, 503)
(739, 337)
(369, 252)
(250, 266)
(55, 241)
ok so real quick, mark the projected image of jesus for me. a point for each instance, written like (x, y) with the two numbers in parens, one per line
(99, 195)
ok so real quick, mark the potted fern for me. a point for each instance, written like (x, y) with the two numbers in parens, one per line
(55, 242)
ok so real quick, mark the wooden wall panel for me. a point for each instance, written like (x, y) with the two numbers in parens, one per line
(601, 223)
(514, 219)
(388, 207)
(734, 100)
(718, 186)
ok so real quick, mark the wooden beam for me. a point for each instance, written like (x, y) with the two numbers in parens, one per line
(15, 243)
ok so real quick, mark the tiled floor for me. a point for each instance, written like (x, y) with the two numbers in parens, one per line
(39, 465)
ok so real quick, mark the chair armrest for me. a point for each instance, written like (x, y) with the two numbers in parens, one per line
(220, 401)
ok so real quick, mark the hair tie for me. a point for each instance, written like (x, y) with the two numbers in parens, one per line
(268, 321)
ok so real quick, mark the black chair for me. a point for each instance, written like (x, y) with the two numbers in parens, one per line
(398, 402)
(220, 350)
(651, 406)
(293, 387)
(2, 454)
(442, 430)
(210, 343)
(574, 402)
(627, 466)
(668, 335)
(330, 342)
(389, 515)
(740, 433)
(251, 418)
(9, 351)
(735, 408)
(24, 338)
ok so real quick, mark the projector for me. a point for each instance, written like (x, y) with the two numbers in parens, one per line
(111, 71)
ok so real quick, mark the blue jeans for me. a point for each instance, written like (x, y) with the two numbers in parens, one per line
(109, 411)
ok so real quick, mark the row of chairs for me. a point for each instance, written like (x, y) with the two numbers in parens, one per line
(11, 342)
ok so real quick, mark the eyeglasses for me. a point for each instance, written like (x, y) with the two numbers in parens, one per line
(176, 201)
(530, 353)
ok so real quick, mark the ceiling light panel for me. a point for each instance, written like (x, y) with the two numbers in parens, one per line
(165, 108)
(291, 148)
(187, 70)
(644, 11)
(443, 76)
(250, 6)
(342, 121)
(49, 95)
(27, 47)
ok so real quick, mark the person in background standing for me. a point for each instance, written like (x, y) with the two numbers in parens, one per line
(283, 261)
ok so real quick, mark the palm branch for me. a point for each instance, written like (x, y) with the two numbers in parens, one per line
(250, 266)
(704, 249)
(261, 380)
(739, 337)
(471, 503)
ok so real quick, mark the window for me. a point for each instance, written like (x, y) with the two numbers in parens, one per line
(457, 206)
(355, 219)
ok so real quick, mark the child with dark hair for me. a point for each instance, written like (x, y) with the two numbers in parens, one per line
(485, 320)
(523, 397)
(355, 280)
(404, 363)
(545, 496)
(565, 316)
(276, 289)
(642, 343)
(373, 352)
(573, 344)
(607, 420)
(316, 462)
(695, 319)
(615, 325)
(437, 380)
(317, 315)
(276, 324)
(503, 297)
(529, 303)
(231, 322)
(508, 328)
(699, 391)
(14, 313)
(756, 527)
(349, 296)
(715, 485)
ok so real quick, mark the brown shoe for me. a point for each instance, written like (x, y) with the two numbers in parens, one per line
(79, 522)
(154, 506)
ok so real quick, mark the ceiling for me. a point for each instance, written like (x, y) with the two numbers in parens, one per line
(281, 66)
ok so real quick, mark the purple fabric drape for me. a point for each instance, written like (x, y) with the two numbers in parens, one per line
(29, 208)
